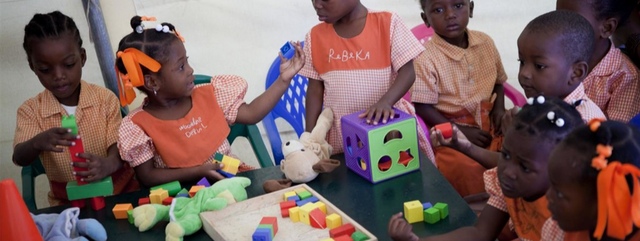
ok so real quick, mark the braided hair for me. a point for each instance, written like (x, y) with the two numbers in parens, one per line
(49, 25)
(534, 118)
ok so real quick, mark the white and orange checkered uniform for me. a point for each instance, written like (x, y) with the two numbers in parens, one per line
(588, 109)
(98, 118)
(552, 232)
(527, 218)
(613, 85)
(358, 71)
(191, 140)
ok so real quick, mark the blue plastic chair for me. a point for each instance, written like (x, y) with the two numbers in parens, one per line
(635, 121)
(291, 106)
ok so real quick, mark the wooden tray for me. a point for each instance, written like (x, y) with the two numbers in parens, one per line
(238, 221)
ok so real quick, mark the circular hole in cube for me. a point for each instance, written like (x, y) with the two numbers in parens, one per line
(384, 164)
(348, 141)
(363, 164)
(392, 135)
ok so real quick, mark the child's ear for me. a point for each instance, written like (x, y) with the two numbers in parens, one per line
(471, 9)
(579, 71)
(83, 56)
(150, 83)
(608, 27)
(425, 19)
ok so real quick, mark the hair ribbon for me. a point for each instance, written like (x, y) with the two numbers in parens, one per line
(132, 60)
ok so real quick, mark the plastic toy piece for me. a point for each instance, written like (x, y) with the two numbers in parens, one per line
(17, 222)
(304, 195)
(413, 211)
(172, 187)
(294, 213)
(426, 206)
(267, 226)
(287, 204)
(284, 213)
(78, 203)
(305, 210)
(333, 221)
(101, 188)
(303, 202)
(318, 219)
(322, 207)
(300, 190)
(293, 198)
(312, 199)
(261, 234)
(359, 236)
(226, 174)
(446, 129)
(69, 122)
(167, 201)
(97, 203)
(285, 48)
(343, 238)
(156, 196)
(431, 215)
(130, 216)
(184, 191)
(287, 195)
(143, 201)
(183, 195)
(120, 210)
(444, 209)
(346, 229)
(230, 165)
(203, 182)
(273, 221)
(194, 190)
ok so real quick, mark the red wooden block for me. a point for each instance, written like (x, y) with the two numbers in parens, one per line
(287, 204)
(78, 203)
(143, 201)
(446, 129)
(284, 212)
(343, 238)
(75, 149)
(345, 229)
(318, 219)
(167, 201)
(97, 203)
(271, 220)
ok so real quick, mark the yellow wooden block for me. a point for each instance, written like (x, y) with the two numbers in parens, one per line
(322, 207)
(230, 165)
(413, 211)
(156, 196)
(305, 210)
(289, 194)
(300, 190)
(333, 221)
(194, 190)
(120, 210)
(294, 214)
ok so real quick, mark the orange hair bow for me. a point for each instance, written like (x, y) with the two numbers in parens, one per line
(618, 209)
(132, 59)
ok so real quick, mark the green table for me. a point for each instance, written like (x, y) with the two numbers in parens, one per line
(371, 205)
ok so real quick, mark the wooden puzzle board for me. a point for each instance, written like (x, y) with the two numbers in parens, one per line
(238, 221)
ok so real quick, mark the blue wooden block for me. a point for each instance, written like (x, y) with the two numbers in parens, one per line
(294, 198)
(226, 174)
(204, 182)
(183, 195)
(302, 202)
(426, 205)
(261, 234)
(313, 199)
(286, 47)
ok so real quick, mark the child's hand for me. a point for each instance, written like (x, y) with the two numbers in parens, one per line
(378, 111)
(400, 229)
(458, 140)
(476, 136)
(496, 120)
(507, 118)
(49, 140)
(210, 171)
(98, 167)
(290, 67)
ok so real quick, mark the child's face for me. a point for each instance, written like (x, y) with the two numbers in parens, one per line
(176, 75)
(58, 64)
(544, 69)
(572, 204)
(583, 8)
(522, 168)
(448, 18)
(330, 11)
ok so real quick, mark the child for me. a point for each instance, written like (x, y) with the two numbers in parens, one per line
(359, 59)
(455, 83)
(591, 190)
(518, 185)
(627, 36)
(180, 127)
(55, 54)
(612, 82)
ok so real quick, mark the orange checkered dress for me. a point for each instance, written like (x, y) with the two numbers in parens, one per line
(358, 71)
(98, 118)
(588, 109)
(613, 86)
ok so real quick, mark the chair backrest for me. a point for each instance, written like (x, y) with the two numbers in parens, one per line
(29, 174)
(635, 121)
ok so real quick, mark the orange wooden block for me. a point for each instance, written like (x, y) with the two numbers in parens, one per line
(194, 190)
(446, 129)
(120, 210)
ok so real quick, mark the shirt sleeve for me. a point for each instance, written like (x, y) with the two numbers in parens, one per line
(625, 95)
(26, 125)
(308, 70)
(404, 46)
(135, 146)
(425, 89)
(114, 118)
(492, 185)
(230, 91)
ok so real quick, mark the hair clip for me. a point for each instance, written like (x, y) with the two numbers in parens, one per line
(600, 162)
(554, 119)
(540, 99)
(162, 28)
(140, 28)
(576, 103)
(594, 123)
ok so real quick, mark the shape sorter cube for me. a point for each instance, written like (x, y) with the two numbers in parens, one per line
(383, 151)
(413, 211)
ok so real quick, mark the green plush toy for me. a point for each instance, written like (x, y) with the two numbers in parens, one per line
(184, 213)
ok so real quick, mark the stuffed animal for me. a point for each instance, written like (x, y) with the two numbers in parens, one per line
(67, 226)
(184, 213)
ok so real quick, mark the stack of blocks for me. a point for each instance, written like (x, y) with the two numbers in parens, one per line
(266, 230)
(414, 212)
(230, 168)
(383, 151)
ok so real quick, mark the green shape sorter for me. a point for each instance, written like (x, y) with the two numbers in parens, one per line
(101, 188)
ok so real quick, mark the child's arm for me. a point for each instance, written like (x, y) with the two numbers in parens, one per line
(458, 141)
(151, 176)
(315, 94)
(488, 227)
(255, 111)
(432, 117)
(383, 108)
(50, 140)
(498, 109)
(98, 167)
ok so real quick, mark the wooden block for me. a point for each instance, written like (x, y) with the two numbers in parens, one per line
(78, 203)
(183, 195)
(333, 221)
(322, 207)
(303, 202)
(289, 194)
(288, 204)
(183, 191)
(300, 190)
(156, 196)
(143, 201)
(413, 211)
(230, 165)
(284, 213)
(312, 199)
(203, 182)
(120, 210)
(218, 156)
(426, 206)
(318, 219)
(267, 226)
(167, 201)
(343, 238)
(172, 187)
(359, 236)
(273, 221)
(345, 229)
(294, 213)
(431, 215)
(130, 216)
(97, 203)
(261, 234)
(226, 174)
(304, 195)
(446, 129)
(194, 190)
(444, 209)
(305, 210)
(101, 188)
(293, 198)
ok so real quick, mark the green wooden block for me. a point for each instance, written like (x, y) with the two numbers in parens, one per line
(69, 122)
(184, 190)
(304, 195)
(444, 209)
(359, 236)
(130, 216)
(431, 215)
(267, 226)
(97, 189)
(173, 188)
(218, 157)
